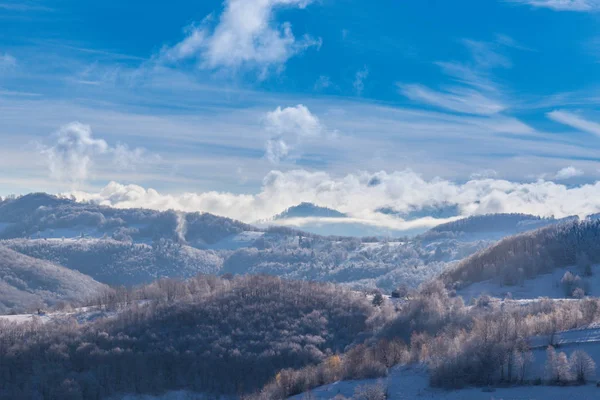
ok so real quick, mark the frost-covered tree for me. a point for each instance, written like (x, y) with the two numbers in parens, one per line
(583, 367)
(557, 368)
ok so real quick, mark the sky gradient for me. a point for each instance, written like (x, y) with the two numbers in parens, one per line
(247, 107)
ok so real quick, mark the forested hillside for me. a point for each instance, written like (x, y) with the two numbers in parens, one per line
(456, 346)
(122, 263)
(526, 255)
(206, 335)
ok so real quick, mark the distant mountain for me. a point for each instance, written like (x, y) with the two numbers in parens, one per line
(46, 216)
(305, 210)
(440, 211)
(122, 263)
(27, 283)
(136, 246)
(493, 226)
(15, 210)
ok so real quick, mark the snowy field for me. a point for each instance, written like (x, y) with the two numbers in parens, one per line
(413, 383)
(546, 285)
(81, 315)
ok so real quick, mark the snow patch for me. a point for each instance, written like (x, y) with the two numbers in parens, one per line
(546, 285)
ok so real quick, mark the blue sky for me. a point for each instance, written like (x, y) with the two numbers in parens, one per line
(262, 103)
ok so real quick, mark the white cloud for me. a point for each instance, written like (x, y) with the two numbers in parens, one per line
(462, 100)
(75, 149)
(484, 174)
(296, 120)
(359, 80)
(288, 128)
(128, 158)
(567, 173)
(22, 6)
(472, 91)
(356, 195)
(575, 121)
(7, 61)
(323, 82)
(246, 35)
(563, 5)
(277, 150)
(70, 157)
(487, 55)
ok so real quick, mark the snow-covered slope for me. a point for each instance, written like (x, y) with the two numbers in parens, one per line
(543, 285)
(525, 256)
(27, 282)
(404, 383)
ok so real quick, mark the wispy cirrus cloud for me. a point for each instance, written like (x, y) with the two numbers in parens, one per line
(473, 91)
(462, 100)
(575, 121)
(23, 6)
(563, 5)
(245, 36)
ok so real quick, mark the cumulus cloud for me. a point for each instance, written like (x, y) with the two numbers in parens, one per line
(276, 150)
(70, 157)
(245, 35)
(357, 196)
(567, 173)
(74, 150)
(563, 5)
(296, 120)
(575, 121)
(288, 128)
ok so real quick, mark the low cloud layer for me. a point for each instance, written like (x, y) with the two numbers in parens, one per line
(360, 195)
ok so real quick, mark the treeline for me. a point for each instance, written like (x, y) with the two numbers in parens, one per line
(207, 334)
(524, 256)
